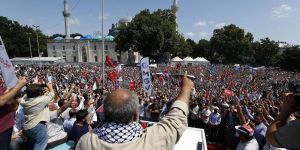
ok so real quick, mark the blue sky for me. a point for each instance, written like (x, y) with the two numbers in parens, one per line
(277, 19)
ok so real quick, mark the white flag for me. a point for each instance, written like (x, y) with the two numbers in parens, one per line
(145, 72)
(49, 78)
(8, 70)
(36, 80)
(94, 86)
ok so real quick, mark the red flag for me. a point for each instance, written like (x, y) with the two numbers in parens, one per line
(108, 62)
(113, 75)
(132, 85)
(144, 125)
(228, 92)
(100, 109)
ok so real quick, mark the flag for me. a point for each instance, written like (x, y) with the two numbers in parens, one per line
(113, 75)
(8, 70)
(35, 80)
(146, 75)
(108, 61)
(132, 85)
(94, 86)
(100, 109)
(228, 93)
(119, 68)
(49, 78)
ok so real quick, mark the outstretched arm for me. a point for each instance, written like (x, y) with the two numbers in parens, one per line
(288, 107)
(66, 105)
(13, 92)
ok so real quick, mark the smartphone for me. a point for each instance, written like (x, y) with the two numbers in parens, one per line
(199, 146)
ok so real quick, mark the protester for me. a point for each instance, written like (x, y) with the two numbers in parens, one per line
(244, 96)
(281, 134)
(121, 114)
(7, 111)
(81, 126)
(36, 111)
(247, 141)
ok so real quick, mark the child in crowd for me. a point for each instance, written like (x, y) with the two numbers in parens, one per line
(80, 126)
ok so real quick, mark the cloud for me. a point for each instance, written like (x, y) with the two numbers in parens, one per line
(105, 16)
(211, 22)
(200, 23)
(75, 21)
(190, 34)
(220, 25)
(282, 11)
(203, 34)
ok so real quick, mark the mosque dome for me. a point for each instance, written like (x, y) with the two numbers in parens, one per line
(125, 20)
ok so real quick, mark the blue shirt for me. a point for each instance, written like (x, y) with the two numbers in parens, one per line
(78, 131)
(215, 118)
(260, 134)
(68, 125)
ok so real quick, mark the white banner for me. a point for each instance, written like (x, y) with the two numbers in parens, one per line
(8, 70)
(146, 76)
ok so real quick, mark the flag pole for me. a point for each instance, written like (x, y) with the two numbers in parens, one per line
(102, 20)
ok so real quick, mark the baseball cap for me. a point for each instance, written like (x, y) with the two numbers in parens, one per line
(245, 129)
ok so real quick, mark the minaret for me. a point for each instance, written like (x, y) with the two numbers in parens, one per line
(66, 14)
(175, 8)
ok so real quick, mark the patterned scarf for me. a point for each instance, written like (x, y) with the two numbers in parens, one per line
(119, 133)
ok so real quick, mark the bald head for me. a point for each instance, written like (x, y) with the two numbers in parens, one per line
(120, 96)
(120, 106)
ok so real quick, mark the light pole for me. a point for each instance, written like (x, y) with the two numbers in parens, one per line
(30, 46)
(103, 66)
(38, 44)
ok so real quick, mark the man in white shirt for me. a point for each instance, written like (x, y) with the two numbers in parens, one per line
(37, 114)
(247, 140)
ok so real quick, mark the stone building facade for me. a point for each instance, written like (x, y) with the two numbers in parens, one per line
(76, 50)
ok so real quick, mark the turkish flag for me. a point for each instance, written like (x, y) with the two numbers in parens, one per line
(108, 62)
(228, 92)
(132, 85)
(113, 75)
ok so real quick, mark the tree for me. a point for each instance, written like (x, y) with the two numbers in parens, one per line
(151, 34)
(291, 58)
(15, 38)
(266, 52)
(231, 44)
(202, 49)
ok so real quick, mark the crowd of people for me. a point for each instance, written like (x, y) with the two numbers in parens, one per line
(233, 104)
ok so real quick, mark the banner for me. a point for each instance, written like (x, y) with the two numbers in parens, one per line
(8, 70)
(146, 76)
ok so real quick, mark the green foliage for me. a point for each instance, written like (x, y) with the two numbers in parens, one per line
(15, 38)
(152, 34)
(202, 49)
(266, 52)
(231, 44)
(291, 59)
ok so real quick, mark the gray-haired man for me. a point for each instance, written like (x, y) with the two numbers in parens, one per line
(121, 130)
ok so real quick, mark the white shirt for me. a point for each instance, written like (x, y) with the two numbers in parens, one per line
(36, 109)
(249, 145)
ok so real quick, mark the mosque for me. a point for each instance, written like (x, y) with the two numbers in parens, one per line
(88, 48)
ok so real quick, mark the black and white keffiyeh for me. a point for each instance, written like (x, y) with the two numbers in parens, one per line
(119, 133)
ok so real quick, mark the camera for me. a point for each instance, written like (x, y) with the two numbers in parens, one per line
(295, 88)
